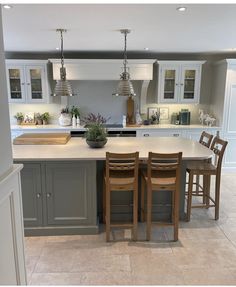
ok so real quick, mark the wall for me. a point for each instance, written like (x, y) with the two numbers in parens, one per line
(5, 143)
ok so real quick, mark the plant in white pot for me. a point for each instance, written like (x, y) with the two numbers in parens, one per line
(65, 117)
(19, 117)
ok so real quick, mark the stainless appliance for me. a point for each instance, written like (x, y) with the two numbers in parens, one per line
(184, 117)
(113, 130)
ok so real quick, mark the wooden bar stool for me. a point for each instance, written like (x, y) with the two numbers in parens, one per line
(163, 173)
(205, 140)
(206, 169)
(121, 174)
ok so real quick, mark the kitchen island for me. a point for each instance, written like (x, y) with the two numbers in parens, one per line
(62, 184)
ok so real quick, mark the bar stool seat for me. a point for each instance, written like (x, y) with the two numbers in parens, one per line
(121, 174)
(205, 169)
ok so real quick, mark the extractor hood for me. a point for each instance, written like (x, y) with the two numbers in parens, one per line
(99, 69)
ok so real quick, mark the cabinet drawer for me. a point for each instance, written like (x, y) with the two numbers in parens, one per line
(166, 133)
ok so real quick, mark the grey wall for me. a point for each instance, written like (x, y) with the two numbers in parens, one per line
(5, 141)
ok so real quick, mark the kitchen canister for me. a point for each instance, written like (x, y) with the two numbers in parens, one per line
(65, 119)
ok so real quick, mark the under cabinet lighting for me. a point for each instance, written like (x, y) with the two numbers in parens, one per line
(181, 9)
(6, 6)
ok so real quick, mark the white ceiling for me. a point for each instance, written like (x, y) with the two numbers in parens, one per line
(202, 28)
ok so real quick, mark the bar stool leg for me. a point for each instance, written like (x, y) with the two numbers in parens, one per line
(217, 197)
(142, 199)
(189, 198)
(108, 214)
(104, 201)
(135, 213)
(149, 212)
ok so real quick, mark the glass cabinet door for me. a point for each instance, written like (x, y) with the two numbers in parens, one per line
(35, 84)
(189, 84)
(16, 85)
(169, 84)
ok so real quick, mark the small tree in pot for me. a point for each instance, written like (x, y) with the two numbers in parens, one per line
(96, 135)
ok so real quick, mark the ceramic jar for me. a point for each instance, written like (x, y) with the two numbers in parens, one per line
(65, 119)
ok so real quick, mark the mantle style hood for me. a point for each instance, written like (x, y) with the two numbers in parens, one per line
(99, 69)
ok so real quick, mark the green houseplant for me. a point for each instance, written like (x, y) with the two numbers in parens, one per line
(96, 135)
(19, 117)
(45, 117)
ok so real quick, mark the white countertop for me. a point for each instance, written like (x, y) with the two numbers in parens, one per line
(77, 149)
(81, 128)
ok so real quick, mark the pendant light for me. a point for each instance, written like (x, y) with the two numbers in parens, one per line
(62, 87)
(125, 87)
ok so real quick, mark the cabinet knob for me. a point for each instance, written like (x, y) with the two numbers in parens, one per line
(49, 195)
(146, 135)
(175, 135)
(38, 195)
(22, 84)
(181, 84)
(28, 84)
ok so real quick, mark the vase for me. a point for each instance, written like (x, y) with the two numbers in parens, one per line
(96, 144)
(65, 120)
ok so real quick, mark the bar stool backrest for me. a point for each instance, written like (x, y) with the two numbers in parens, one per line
(205, 139)
(218, 146)
(164, 165)
(122, 165)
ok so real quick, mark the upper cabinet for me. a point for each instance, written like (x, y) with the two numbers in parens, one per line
(179, 81)
(103, 69)
(27, 81)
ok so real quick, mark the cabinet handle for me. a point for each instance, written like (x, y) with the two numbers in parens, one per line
(146, 135)
(181, 84)
(28, 84)
(49, 195)
(176, 84)
(22, 84)
(175, 135)
(38, 195)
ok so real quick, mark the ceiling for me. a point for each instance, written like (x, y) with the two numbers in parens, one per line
(203, 28)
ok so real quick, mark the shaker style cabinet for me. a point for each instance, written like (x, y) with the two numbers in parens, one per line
(179, 81)
(59, 198)
(27, 81)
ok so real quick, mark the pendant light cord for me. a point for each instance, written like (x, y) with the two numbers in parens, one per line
(125, 53)
(62, 54)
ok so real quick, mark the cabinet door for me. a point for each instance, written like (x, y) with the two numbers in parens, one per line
(190, 84)
(32, 194)
(168, 84)
(16, 84)
(35, 76)
(71, 193)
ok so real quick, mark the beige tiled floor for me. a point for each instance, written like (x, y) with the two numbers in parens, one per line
(204, 255)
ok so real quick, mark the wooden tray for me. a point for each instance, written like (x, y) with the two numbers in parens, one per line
(42, 139)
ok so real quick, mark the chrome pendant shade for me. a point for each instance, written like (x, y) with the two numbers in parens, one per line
(125, 86)
(62, 87)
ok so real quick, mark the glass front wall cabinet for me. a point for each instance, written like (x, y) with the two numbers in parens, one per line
(27, 83)
(179, 81)
(16, 88)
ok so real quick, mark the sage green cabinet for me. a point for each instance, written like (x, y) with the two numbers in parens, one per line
(59, 197)
(32, 194)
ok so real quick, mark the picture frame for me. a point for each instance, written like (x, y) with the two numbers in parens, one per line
(164, 113)
(151, 111)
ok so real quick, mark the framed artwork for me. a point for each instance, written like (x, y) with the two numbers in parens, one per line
(164, 113)
(152, 111)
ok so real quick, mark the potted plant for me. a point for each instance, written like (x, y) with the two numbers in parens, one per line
(96, 135)
(38, 119)
(19, 117)
(65, 117)
(45, 118)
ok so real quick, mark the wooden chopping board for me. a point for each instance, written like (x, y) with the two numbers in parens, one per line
(42, 138)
